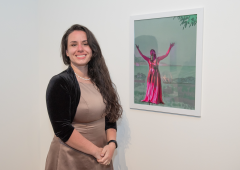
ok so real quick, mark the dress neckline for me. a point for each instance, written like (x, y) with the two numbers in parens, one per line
(84, 83)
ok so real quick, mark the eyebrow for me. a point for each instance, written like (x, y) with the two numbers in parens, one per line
(76, 41)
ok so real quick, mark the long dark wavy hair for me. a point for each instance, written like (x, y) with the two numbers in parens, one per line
(97, 71)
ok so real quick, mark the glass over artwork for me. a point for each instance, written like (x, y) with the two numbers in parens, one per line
(165, 61)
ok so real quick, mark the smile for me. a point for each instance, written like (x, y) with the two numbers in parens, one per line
(81, 56)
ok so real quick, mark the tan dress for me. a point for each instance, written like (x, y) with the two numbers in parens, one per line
(90, 122)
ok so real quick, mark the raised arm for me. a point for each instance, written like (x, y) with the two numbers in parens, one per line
(58, 104)
(143, 56)
(164, 56)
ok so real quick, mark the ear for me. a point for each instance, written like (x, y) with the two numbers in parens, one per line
(67, 53)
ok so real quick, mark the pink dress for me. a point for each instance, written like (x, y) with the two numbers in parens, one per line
(154, 87)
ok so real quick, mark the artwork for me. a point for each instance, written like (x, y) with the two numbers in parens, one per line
(166, 62)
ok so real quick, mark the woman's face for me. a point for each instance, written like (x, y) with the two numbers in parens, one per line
(78, 49)
(152, 53)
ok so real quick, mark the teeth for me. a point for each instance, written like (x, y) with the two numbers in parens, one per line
(81, 56)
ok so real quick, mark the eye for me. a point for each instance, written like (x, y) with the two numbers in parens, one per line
(85, 44)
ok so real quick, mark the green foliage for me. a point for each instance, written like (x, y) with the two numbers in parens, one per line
(137, 84)
(186, 20)
(140, 76)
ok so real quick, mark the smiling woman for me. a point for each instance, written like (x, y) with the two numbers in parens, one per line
(78, 49)
(83, 107)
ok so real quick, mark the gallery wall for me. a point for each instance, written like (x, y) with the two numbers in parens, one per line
(19, 108)
(150, 140)
(30, 51)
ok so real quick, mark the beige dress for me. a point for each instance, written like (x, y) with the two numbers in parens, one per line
(90, 122)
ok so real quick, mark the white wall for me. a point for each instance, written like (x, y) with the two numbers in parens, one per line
(19, 123)
(151, 140)
(147, 140)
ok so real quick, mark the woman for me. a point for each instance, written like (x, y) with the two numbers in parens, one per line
(154, 87)
(83, 107)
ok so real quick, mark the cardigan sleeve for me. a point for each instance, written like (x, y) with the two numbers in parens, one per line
(109, 125)
(59, 107)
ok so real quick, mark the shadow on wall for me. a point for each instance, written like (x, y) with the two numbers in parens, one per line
(123, 138)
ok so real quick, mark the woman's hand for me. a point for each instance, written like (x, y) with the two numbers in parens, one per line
(171, 45)
(107, 154)
(98, 153)
(137, 46)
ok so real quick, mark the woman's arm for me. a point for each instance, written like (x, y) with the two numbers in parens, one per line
(108, 150)
(59, 109)
(164, 56)
(79, 142)
(143, 56)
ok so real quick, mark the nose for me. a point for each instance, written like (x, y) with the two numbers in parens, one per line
(80, 48)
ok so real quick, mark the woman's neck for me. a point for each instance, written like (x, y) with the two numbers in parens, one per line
(82, 71)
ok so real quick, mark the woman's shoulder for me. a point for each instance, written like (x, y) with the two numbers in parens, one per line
(59, 78)
(62, 86)
(64, 81)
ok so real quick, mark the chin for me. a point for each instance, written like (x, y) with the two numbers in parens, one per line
(82, 64)
(79, 63)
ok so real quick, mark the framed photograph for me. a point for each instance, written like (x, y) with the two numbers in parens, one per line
(166, 62)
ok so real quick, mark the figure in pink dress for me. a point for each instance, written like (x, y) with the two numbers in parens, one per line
(154, 87)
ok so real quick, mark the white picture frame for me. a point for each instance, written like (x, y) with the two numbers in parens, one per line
(199, 52)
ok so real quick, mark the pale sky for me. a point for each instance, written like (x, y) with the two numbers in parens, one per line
(157, 34)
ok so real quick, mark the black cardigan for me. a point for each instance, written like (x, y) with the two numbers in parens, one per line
(62, 97)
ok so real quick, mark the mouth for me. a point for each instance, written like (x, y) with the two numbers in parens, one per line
(81, 56)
